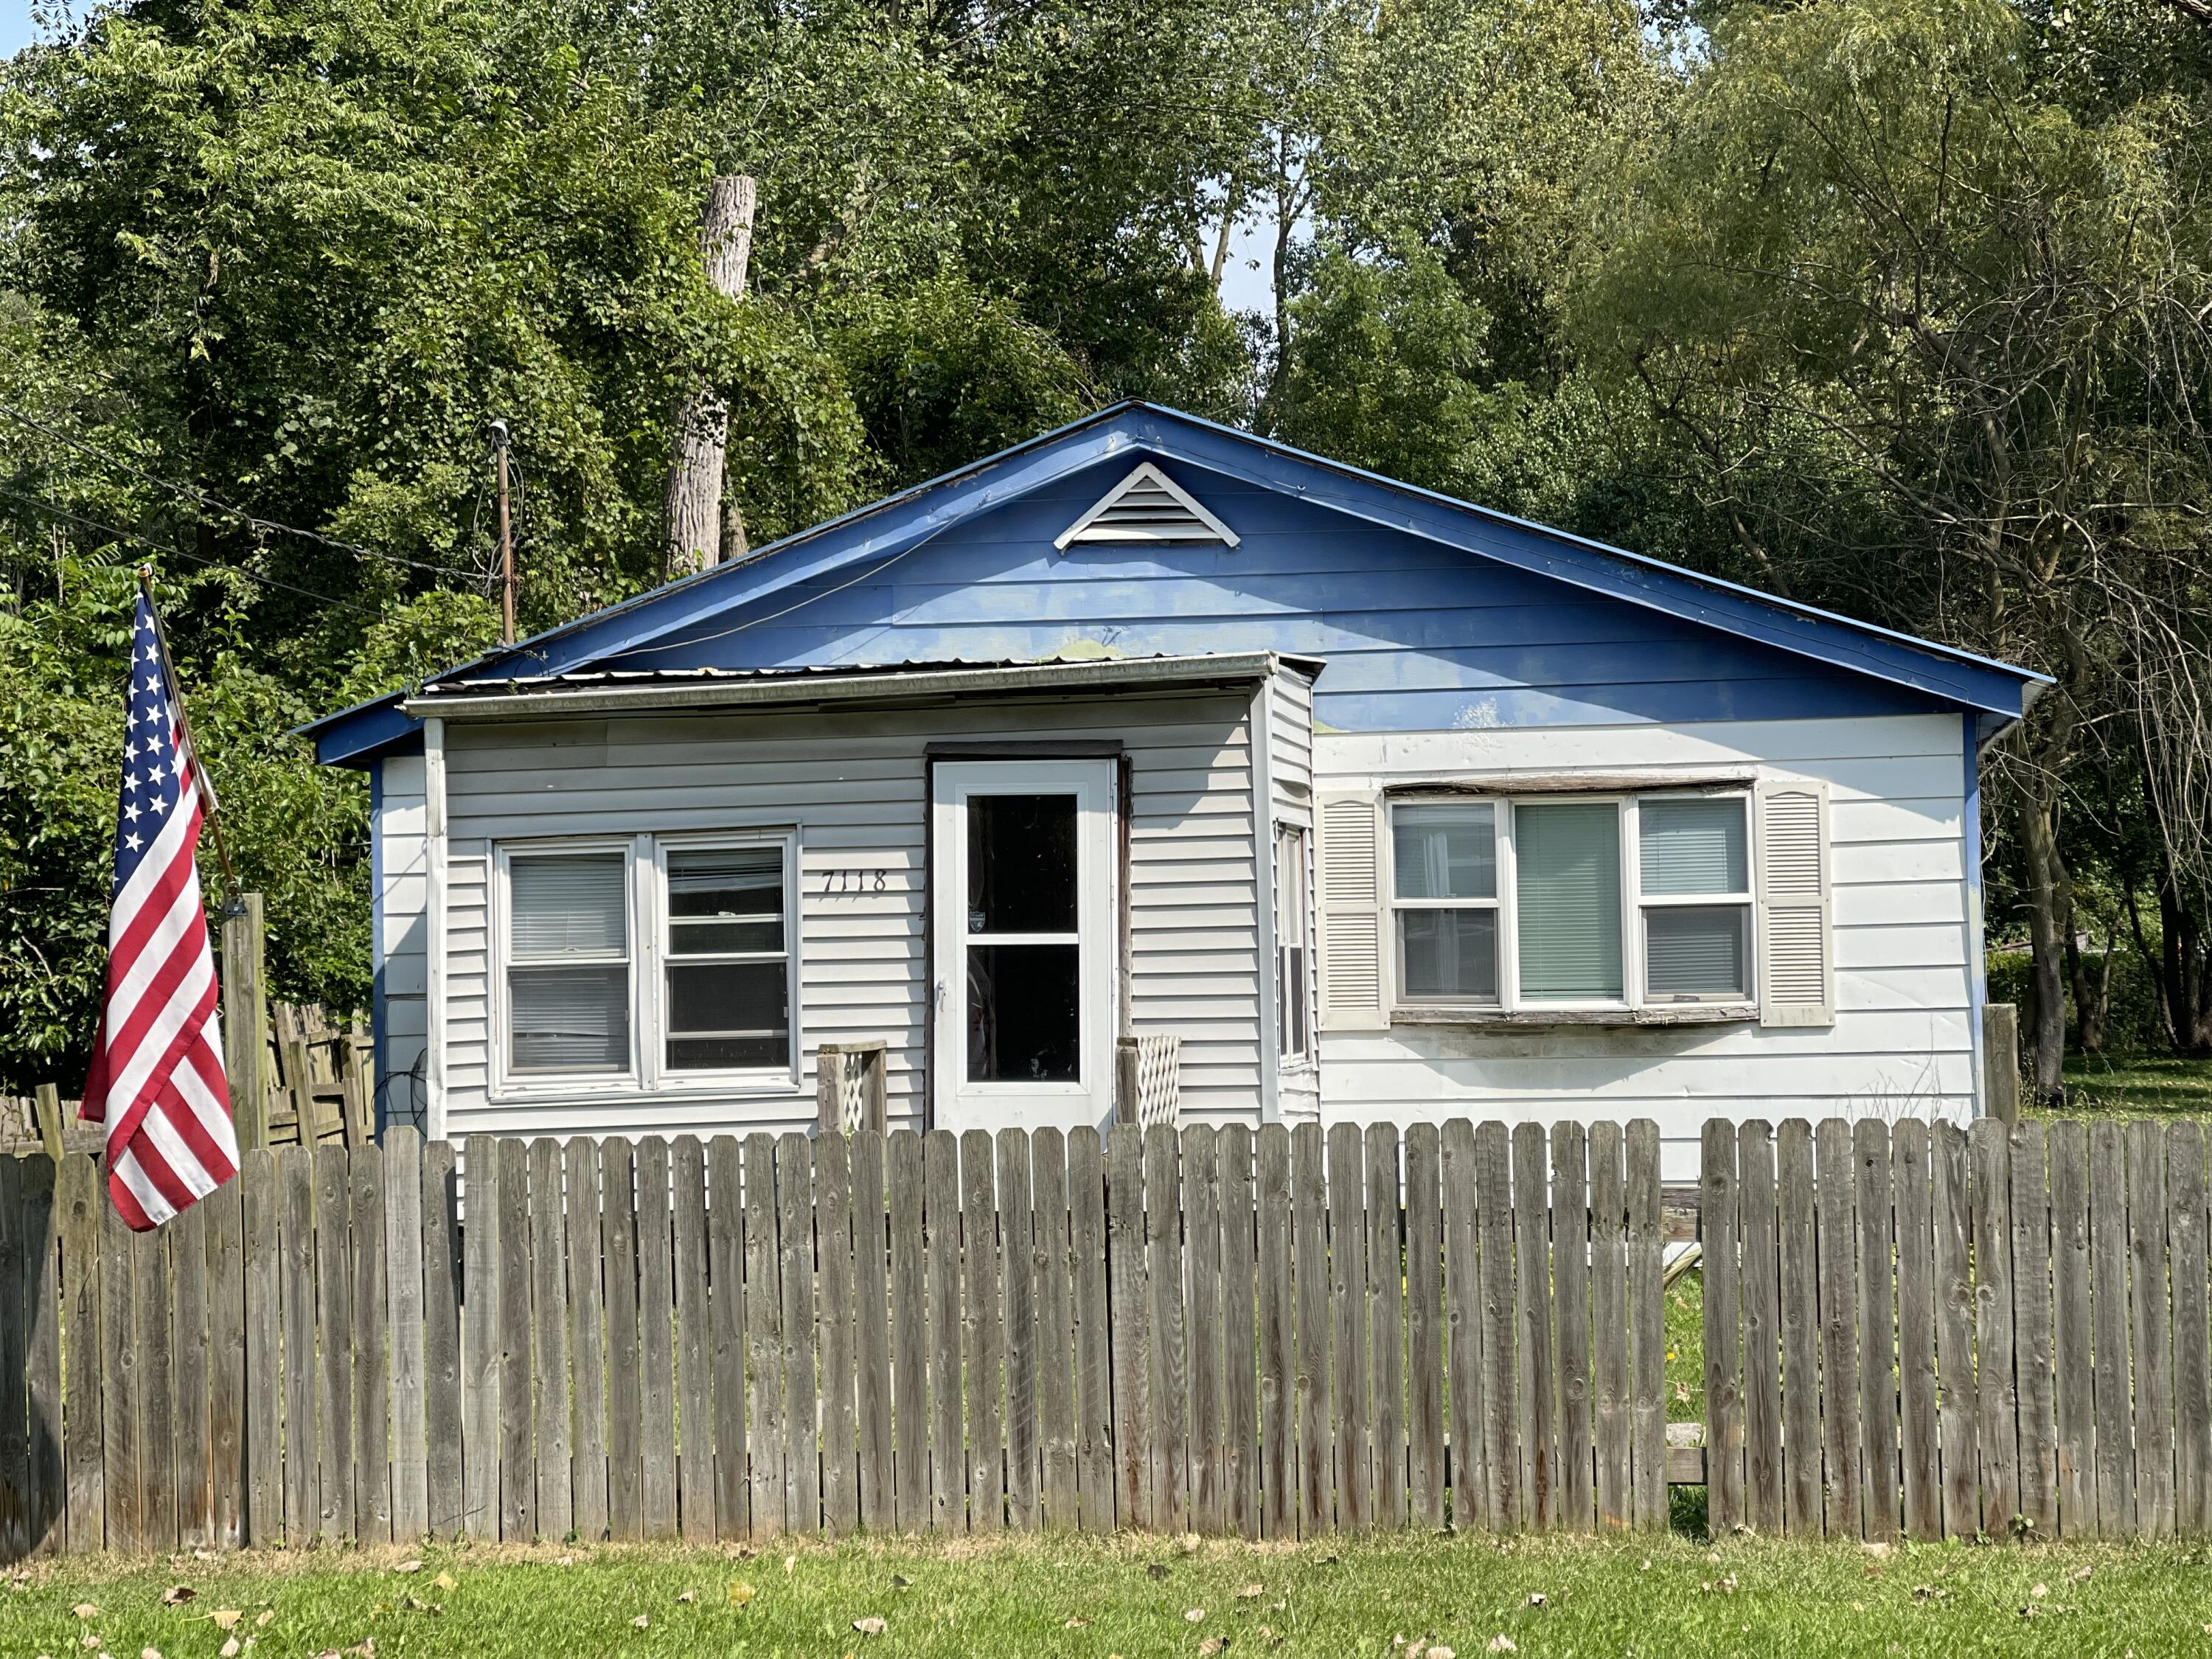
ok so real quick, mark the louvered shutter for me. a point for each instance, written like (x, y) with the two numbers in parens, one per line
(1353, 916)
(1796, 953)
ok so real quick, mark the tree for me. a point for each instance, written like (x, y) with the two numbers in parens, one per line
(1934, 339)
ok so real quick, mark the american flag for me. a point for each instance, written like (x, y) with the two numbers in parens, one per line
(157, 1079)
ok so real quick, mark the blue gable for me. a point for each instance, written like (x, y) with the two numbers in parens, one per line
(1431, 614)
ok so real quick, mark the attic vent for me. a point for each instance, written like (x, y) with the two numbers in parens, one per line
(1147, 506)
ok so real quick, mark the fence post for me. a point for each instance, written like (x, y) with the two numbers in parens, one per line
(2001, 1062)
(245, 1019)
(48, 1104)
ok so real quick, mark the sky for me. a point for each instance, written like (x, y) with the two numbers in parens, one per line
(15, 29)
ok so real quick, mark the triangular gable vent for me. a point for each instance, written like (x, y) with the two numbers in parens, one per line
(1147, 506)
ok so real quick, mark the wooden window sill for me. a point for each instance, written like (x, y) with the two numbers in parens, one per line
(1690, 1014)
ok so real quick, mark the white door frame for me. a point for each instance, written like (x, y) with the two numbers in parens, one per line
(957, 1103)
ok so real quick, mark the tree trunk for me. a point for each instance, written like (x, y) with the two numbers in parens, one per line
(2045, 911)
(2185, 972)
(695, 538)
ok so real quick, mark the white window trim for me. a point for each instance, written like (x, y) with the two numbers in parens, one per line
(1635, 997)
(1308, 1058)
(507, 1083)
(646, 886)
(664, 1078)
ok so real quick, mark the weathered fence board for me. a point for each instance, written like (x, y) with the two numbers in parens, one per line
(1268, 1334)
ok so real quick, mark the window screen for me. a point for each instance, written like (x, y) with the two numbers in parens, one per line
(728, 972)
(1692, 851)
(1443, 865)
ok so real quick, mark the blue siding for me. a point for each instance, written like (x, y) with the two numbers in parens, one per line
(1418, 636)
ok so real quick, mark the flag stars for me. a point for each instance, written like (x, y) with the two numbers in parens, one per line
(133, 842)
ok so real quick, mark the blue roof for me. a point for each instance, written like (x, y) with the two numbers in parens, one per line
(1998, 693)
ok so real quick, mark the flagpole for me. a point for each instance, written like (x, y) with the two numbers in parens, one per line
(200, 782)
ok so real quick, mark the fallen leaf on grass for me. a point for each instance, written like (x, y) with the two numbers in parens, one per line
(90, 1641)
(149, 1653)
(268, 1614)
(2038, 1592)
(1930, 1593)
(1537, 1599)
(1442, 1653)
(741, 1592)
(229, 1650)
(408, 1566)
(86, 1610)
(2079, 1573)
(1212, 1645)
(640, 1623)
(1193, 1615)
(177, 1594)
(1251, 1592)
(445, 1581)
(871, 1626)
(899, 1581)
(1503, 1644)
(689, 1596)
(1076, 1621)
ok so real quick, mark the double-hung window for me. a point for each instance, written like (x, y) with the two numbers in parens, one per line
(1694, 866)
(649, 963)
(1580, 903)
(569, 962)
(727, 1005)
(1445, 877)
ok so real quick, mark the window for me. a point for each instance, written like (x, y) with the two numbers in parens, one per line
(1293, 997)
(1444, 900)
(641, 964)
(1694, 854)
(567, 975)
(1589, 903)
(1568, 857)
(728, 967)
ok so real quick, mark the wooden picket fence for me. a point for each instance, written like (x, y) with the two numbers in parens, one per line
(1224, 1331)
(317, 1071)
(1939, 1333)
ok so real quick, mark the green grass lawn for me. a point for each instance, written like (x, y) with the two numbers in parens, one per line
(1390, 1598)
(2135, 1086)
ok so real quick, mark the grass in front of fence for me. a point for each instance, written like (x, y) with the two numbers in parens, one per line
(2153, 1086)
(1686, 1349)
(1095, 1597)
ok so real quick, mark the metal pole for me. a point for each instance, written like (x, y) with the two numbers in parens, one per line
(506, 537)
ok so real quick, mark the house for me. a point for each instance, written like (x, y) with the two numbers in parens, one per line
(1384, 805)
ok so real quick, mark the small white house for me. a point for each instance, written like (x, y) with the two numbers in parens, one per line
(1384, 805)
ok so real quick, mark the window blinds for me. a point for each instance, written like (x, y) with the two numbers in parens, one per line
(1568, 857)
(1694, 846)
(570, 905)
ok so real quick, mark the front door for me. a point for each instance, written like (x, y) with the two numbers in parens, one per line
(1022, 923)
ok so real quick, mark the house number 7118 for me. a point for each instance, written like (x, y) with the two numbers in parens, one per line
(840, 884)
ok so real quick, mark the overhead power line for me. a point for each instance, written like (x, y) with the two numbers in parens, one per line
(252, 520)
(121, 534)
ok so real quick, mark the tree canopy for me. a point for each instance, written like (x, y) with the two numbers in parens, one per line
(1894, 305)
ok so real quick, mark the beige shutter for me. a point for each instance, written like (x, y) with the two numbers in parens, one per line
(1796, 951)
(1353, 916)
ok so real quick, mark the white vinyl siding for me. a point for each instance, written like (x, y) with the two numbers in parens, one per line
(853, 788)
(1901, 1039)
(401, 915)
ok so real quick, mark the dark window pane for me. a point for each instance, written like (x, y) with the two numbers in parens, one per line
(1445, 851)
(1292, 1033)
(1696, 951)
(725, 899)
(1025, 1023)
(569, 1019)
(728, 1014)
(1021, 864)
(1450, 955)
